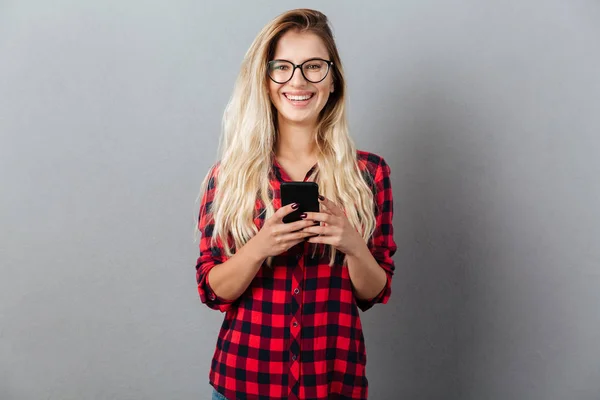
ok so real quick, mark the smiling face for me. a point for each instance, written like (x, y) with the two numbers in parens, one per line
(299, 101)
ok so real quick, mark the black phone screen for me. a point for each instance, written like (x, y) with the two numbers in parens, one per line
(306, 194)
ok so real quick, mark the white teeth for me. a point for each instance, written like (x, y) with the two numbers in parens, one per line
(298, 98)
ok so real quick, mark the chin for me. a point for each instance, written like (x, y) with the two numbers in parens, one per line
(297, 116)
(299, 119)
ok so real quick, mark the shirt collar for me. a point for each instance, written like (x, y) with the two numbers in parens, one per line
(282, 176)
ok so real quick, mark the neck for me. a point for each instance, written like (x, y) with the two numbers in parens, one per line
(294, 141)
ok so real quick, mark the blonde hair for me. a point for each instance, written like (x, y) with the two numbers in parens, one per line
(249, 136)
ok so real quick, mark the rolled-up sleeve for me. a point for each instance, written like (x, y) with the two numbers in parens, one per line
(382, 243)
(210, 255)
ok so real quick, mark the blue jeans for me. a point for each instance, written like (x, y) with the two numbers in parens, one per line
(217, 396)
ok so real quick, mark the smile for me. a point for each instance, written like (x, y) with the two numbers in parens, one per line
(299, 97)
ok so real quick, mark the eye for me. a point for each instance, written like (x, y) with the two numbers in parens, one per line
(313, 66)
(279, 67)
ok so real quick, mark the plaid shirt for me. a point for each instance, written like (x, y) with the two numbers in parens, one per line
(296, 333)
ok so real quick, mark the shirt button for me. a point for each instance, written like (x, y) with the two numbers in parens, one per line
(295, 324)
(212, 296)
(296, 291)
(294, 357)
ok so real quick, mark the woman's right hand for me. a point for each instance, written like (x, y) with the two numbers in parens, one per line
(276, 236)
(231, 278)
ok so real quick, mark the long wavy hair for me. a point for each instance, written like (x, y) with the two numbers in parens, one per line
(249, 134)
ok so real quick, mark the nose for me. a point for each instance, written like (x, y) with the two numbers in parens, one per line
(297, 78)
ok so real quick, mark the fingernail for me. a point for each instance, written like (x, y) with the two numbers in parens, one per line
(321, 197)
(303, 215)
(294, 206)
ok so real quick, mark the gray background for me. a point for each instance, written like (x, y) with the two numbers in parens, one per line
(488, 113)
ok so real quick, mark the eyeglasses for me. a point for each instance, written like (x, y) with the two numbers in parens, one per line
(313, 70)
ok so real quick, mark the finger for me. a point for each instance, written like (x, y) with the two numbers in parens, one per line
(294, 236)
(331, 206)
(295, 226)
(318, 230)
(319, 239)
(326, 210)
(320, 216)
(285, 210)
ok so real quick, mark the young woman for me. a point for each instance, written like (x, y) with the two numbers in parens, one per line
(291, 291)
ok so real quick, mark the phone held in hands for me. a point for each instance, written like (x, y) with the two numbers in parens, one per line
(306, 194)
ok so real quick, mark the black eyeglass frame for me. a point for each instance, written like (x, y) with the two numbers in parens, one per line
(294, 66)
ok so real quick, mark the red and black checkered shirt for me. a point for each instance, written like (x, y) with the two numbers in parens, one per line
(296, 333)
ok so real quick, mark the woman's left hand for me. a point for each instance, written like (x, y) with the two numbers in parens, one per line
(336, 230)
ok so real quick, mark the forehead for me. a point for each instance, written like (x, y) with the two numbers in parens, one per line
(300, 46)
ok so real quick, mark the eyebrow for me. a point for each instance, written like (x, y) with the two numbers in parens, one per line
(308, 59)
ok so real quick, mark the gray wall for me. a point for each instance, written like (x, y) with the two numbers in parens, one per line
(487, 112)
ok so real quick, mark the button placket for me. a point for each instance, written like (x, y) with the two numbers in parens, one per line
(297, 278)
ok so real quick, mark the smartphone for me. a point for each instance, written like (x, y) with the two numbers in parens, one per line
(306, 194)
